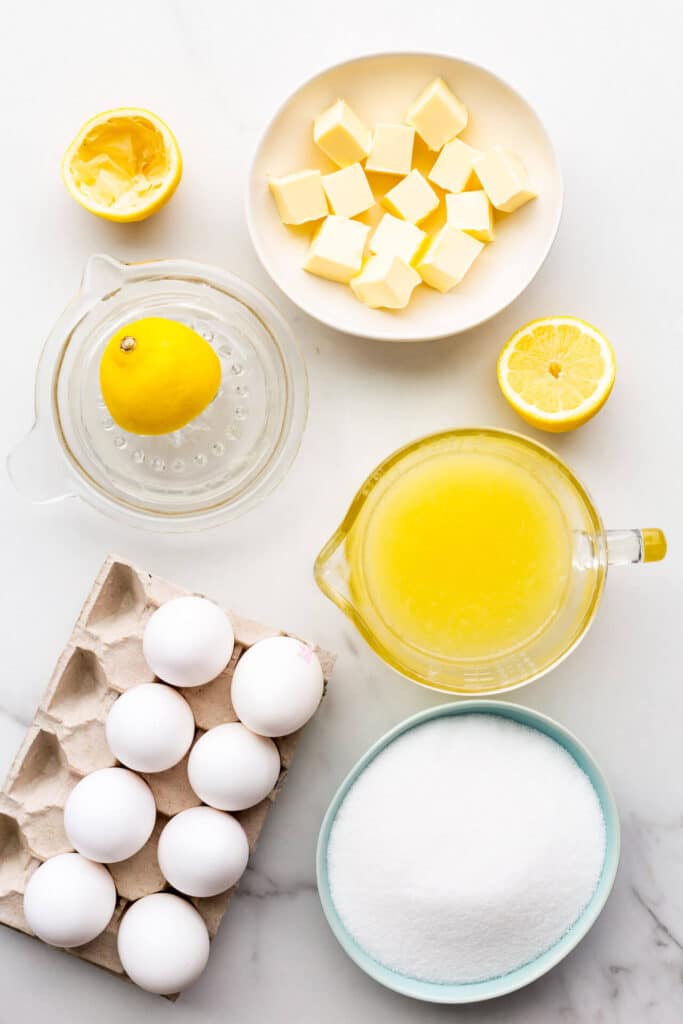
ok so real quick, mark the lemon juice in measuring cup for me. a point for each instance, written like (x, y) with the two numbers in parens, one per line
(467, 554)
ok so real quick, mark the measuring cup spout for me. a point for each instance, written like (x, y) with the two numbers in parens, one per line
(628, 547)
(332, 571)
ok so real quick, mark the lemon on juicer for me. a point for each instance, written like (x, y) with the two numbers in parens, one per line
(157, 375)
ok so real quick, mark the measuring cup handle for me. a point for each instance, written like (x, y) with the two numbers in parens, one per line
(37, 469)
(628, 547)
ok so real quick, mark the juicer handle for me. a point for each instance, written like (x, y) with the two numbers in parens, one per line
(37, 465)
(37, 468)
(628, 547)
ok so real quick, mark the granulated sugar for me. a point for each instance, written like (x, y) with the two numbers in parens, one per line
(467, 848)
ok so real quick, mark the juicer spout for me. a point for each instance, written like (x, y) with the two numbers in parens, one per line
(102, 274)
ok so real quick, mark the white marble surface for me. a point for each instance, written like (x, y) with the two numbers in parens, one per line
(606, 77)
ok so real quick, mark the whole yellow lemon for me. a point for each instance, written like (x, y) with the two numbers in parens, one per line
(157, 375)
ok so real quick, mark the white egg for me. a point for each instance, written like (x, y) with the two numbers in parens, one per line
(277, 686)
(188, 641)
(69, 900)
(150, 728)
(231, 768)
(203, 851)
(163, 943)
(109, 815)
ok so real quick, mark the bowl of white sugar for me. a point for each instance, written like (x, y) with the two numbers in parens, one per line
(467, 852)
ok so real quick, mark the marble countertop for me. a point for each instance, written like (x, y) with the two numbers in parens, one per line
(606, 79)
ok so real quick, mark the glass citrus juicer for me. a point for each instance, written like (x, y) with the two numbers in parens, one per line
(215, 467)
(473, 561)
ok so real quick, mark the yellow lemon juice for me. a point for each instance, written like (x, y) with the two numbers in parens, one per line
(464, 555)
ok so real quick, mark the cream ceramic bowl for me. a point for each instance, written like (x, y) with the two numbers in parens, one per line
(380, 88)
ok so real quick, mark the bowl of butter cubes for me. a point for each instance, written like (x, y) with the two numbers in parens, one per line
(404, 196)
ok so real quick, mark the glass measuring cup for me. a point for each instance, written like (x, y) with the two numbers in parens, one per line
(341, 569)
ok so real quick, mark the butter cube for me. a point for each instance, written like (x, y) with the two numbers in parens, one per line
(412, 199)
(299, 197)
(392, 149)
(452, 170)
(504, 179)
(447, 258)
(397, 238)
(348, 191)
(341, 134)
(437, 115)
(336, 251)
(386, 280)
(471, 212)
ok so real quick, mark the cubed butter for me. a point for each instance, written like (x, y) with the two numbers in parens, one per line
(447, 258)
(412, 199)
(437, 115)
(341, 134)
(387, 281)
(348, 191)
(299, 197)
(336, 251)
(452, 170)
(392, 149)
(504, 179)
(471, 212)
(396, 237)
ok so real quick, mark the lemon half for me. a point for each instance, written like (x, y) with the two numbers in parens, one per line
(123, 165)
(557, 372)
(157, 375)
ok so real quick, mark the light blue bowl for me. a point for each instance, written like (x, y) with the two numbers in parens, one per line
(475, 991)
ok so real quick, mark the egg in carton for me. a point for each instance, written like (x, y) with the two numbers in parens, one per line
(66, 741)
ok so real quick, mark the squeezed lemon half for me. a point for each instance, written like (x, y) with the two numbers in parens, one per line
(557, 373)
(123, 165)
(157, 375)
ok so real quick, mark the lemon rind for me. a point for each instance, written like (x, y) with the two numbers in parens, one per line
(143, 210)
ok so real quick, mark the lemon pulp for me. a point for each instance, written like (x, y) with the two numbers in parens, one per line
(557, 373)
(465, 555)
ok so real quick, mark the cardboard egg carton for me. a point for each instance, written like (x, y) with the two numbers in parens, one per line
(66, 741)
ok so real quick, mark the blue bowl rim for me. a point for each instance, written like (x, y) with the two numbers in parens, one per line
(471, 992)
